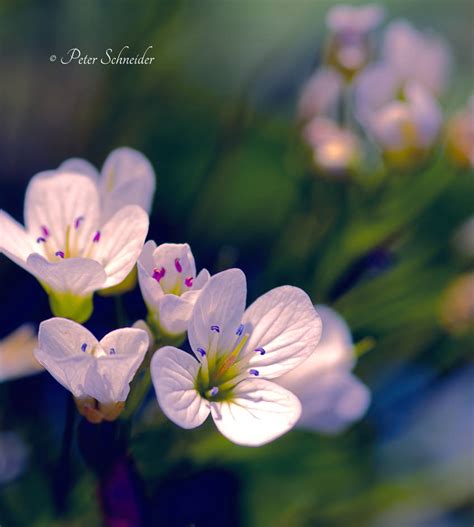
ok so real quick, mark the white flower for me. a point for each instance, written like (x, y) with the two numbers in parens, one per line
(96, 373)
(336, 150)
(126, 178)
(237, 352)
(418, 57)
(399, 126)
(65, 245)
(331, 396)
(13, 456)
(16, 354)
(320, 94)
(169, 284)
(349, 48)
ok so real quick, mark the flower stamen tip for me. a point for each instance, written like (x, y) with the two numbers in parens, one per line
(84, 347)
(256, 373)
(216, 329)
(96, 237)
(189, 282)
(260, 350)
(201, 352)
(178, 265)
(60, 254)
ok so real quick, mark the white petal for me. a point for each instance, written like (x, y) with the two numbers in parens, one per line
(334, 351)
(121, 242)
(150, 288)
(55, 200)
(165, 256)
(15, 243)
(80, 276)
(320, 94)
(221, 303)
(109, 379)
(201, 279)
(259, 412)
(174, 312)
(286, 325)
(60, 351)
(127, 178)
(16, 354)
(80, 166)
(174, 374)
(332, 401)
(426, 113)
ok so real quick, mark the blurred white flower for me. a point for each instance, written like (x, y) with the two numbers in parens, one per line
(126, 178)
(403, 127)
(237, 352)
(460, 136)
(331, 396)
(464, 238)
(349, 47)
(418, 57)
(169, 284)
(13, 456)
(96, 373)
(16, 354)
(65, 245)
(336, 150)
(320, 94)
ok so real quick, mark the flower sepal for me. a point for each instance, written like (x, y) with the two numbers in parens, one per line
(96, 412)
(71, 306)
(161, 337)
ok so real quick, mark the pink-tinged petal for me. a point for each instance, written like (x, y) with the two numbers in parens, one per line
(127, 178)
(54, 201)
(219, 308)
(150, 288)
(80, 166)
(63, 347)
(174, 373)
(121, 242)
(174, 312)
(331, 401)
(109, 379)
(16, 354)
(15, 243)
(284, 324)
(80, 276)
(201, 279)
(259, 412)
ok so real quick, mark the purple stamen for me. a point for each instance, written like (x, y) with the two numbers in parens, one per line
(260, 350)
(217, 329)
(178, 266)
(201, 351)
(112, 351)
(240, 330)
(84, 347)
(254, 372)
(45, 231)
(77, 222)
(189, 282)
(96, 237)
(41, 240)
(158, 274)
(214, 391)
(60, 254)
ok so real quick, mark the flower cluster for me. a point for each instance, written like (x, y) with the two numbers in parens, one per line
(392, 98)
(257, 371)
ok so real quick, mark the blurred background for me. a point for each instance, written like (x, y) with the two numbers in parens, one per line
(216, 114)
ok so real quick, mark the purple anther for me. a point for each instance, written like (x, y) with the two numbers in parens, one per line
(41, 240)
(260, 350)
(214, 391)
(189, 281)
(240, 330)
(84, 347)
(158, 274)
(60, 254)
(254, 372)
(112, 351)
(44, 231)
(96, 237)
(178, 265)
(78, 221)
(201, 352)
(217, 329)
